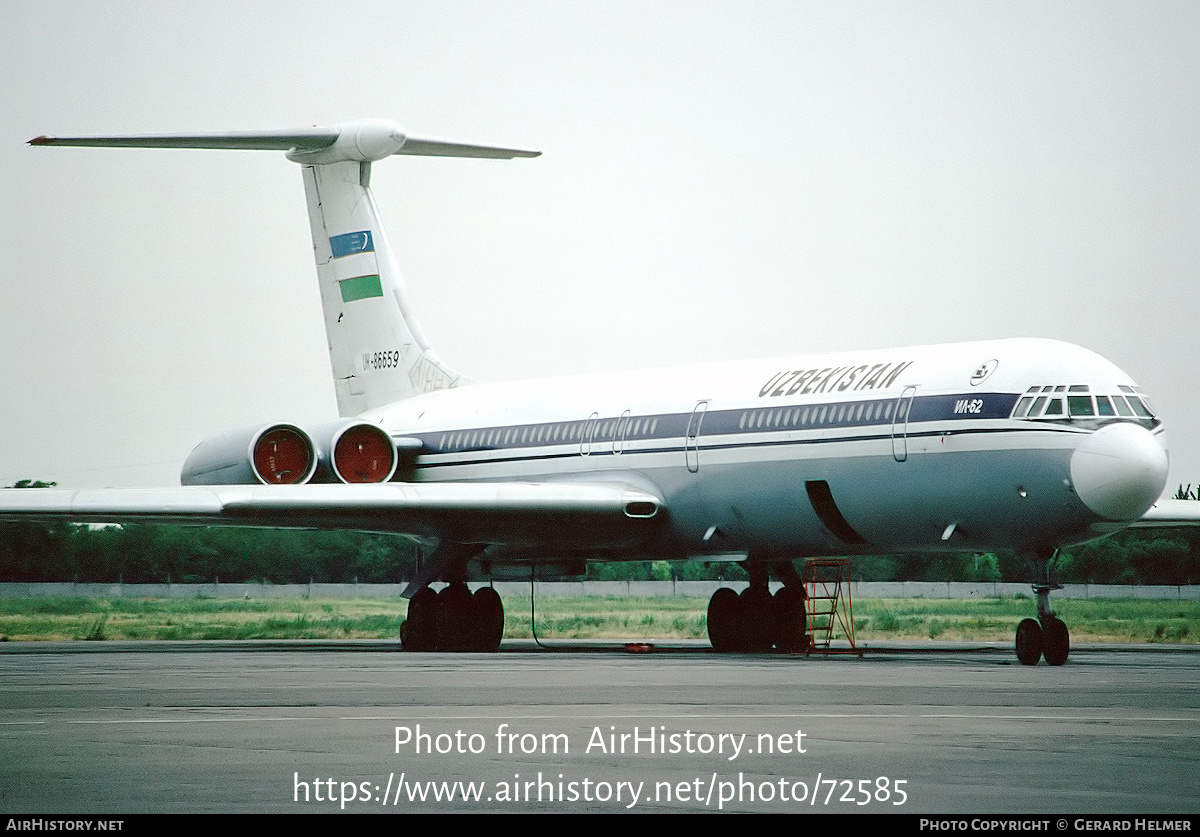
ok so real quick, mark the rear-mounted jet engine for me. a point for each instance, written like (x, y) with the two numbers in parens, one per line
(284, 454)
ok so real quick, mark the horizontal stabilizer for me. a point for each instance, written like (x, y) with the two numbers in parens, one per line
(362, 141)
(305, 138)
(440, 148)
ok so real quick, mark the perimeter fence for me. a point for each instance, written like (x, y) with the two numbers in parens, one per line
(698, 589)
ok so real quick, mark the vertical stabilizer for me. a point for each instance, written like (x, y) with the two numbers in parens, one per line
(377, 352)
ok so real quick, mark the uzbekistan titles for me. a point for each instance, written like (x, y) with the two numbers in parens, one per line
(833, 379)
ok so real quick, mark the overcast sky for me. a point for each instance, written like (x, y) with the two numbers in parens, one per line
(719, 180)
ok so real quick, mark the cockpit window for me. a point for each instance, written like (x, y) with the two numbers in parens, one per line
(1080, 405)
(1140, 408)
(1075, 403)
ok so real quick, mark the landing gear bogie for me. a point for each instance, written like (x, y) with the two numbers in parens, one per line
(755, 621)
(453, 620)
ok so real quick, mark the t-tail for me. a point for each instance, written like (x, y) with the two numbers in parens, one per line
(377, 352)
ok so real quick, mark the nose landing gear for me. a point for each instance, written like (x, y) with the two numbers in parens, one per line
(1047, 636)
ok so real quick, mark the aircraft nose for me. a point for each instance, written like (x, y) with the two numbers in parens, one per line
(1119, 471)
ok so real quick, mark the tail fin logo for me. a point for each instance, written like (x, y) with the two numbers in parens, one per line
(348, 244)
(361, 287)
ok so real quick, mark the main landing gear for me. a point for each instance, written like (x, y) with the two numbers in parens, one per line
(1047, 636)
(454, 619)
(755, 620)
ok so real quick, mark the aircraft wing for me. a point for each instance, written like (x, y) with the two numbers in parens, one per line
(565, 514)
(1169, 514)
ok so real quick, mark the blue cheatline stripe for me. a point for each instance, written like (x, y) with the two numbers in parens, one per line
(572, 451)
(751, 421)
(361, 287)
(348, 244)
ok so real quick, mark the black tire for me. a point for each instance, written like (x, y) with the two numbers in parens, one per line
(456, 627)
(758, 619)
(419, 630)
(1029, 642)
(1056, 641)
(723, 620)
(791, 626)
(488, 618)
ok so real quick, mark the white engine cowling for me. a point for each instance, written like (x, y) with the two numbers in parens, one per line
(357, 452)
(284, 454)
(273, 454)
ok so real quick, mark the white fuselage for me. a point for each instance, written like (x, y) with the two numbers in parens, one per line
(858, 452)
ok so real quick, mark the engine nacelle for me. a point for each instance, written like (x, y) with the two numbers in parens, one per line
(357, 452)
(284, 454)
(274, 454)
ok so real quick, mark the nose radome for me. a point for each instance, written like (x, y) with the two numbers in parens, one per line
(1119, 471)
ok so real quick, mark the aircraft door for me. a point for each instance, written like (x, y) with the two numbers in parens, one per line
(589, 434)
(619, 433)
(691, 441)
(900, 424)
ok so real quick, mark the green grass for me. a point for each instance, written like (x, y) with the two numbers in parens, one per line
(80, 618)
(573, 617)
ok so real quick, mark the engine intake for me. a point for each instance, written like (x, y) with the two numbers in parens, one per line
(275, 454)
(363, 453)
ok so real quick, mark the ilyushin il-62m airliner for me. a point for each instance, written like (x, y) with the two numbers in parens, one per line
(1018, 445)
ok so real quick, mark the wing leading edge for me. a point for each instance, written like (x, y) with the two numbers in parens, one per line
(1169, 514)
(577, 515)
